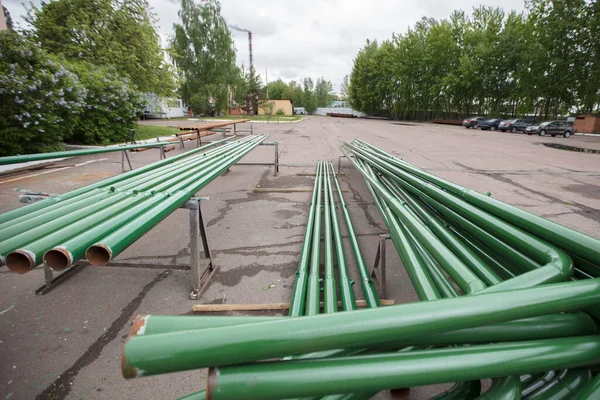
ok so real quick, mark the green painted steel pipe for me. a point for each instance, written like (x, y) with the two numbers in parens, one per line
(26, 210)
(330, 303)
(279, 380)
(346, 292)
(590, 391)
(299, 292)
(26, 250)
(462, 275)
(507, 388)
(571, 240)
(180, 351)
(110, 246)
(74, 153)
(73, 248)
(367, 284)
(313, 291)
(564, 386)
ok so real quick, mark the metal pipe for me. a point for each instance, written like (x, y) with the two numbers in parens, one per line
(359, 329)
(368, 287)
(563, 386)
(299, 292)
(507, 388)
(590, 391)
(329, 286)
(279, 380)
(312, 290)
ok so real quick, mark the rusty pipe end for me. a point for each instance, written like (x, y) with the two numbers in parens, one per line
(401, 393)
(211, 382)
(138, 327)
(129, 371)
(58, 258)
(20, 261)
(98, 254)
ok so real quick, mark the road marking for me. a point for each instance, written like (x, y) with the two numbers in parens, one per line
(51, 171)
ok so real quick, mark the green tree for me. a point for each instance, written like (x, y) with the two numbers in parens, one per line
(297, 94)
(279, 90)
(344, 87)
(324, 92)
(268, 107)
(254, 92)
(7, 18)
(121, 34)
(309, 100)
(203, 52)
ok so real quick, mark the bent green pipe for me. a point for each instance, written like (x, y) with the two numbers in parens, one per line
(563, 387)
(180, 351)
(590, 391)
(280, 380)
(312, 306)
(11, 215)
(299, 291)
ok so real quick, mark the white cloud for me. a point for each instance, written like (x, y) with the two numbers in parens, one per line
(294, 39)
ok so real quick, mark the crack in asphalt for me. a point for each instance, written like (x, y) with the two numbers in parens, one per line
(61, 387)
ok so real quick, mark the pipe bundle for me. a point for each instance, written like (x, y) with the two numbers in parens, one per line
(504, 295)
(101, 220)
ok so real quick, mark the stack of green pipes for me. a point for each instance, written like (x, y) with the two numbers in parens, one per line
(505, 295)
(101, 220)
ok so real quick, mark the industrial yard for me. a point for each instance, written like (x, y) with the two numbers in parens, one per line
(68, 342)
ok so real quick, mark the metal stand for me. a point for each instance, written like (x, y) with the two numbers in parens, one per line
(125, 156)
(379, 267)
(238, 131)
(275, 161)
(340, 164)
(202, 268)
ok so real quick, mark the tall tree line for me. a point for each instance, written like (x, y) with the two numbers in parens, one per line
(543, 62)
(307, 93)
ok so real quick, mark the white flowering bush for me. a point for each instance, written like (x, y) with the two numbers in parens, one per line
(40, 100)
(111, 106)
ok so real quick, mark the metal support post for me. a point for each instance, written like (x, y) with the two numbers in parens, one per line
(181, 144)
(340, 164)
(198, 138)
(234, 130)
(202, 268)
(124, 156)
(275, 162)
(163, 153)
(50, 282)
(379, 267)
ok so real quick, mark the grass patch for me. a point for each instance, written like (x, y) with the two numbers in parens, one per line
(150, 131)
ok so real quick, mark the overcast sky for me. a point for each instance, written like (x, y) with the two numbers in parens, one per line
(294, 39)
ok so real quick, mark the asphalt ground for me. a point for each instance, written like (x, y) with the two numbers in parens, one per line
(68, 343)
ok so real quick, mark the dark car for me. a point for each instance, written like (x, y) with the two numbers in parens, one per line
(551, 128)
(491, 124)
(472, 122)
(514, 125)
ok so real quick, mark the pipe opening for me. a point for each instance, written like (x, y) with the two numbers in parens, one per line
(57, 259)
(20, 261)
(98, 255)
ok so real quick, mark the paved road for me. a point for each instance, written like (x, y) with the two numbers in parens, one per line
(67, 344)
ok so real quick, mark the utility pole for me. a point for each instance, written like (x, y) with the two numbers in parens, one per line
(267, 80)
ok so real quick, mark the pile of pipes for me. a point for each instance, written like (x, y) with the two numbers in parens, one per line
(101, 220)
(505, 295)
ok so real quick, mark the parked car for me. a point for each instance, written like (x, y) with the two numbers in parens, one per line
(552, 128)
(514, 125)
(472, 122)
(491, 124)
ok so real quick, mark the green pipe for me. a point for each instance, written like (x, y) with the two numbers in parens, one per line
(539, 383)
(34, 219)
(463, 276)
(109, 247)
(590, 391)
(11, 215)
(299, 292)
(564, 386)
(74, 153)
(465, 390)
(27, 250)
(280, 380)
(346, 292)
(571, 240)
(312, 290)
(368, 287)
(329, 296)
(358, 329)
(507, 388)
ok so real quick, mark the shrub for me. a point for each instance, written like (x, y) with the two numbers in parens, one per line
(280, 112)
(39, 98)
(111, 108)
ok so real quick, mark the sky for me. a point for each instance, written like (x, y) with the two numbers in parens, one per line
(294, 39)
